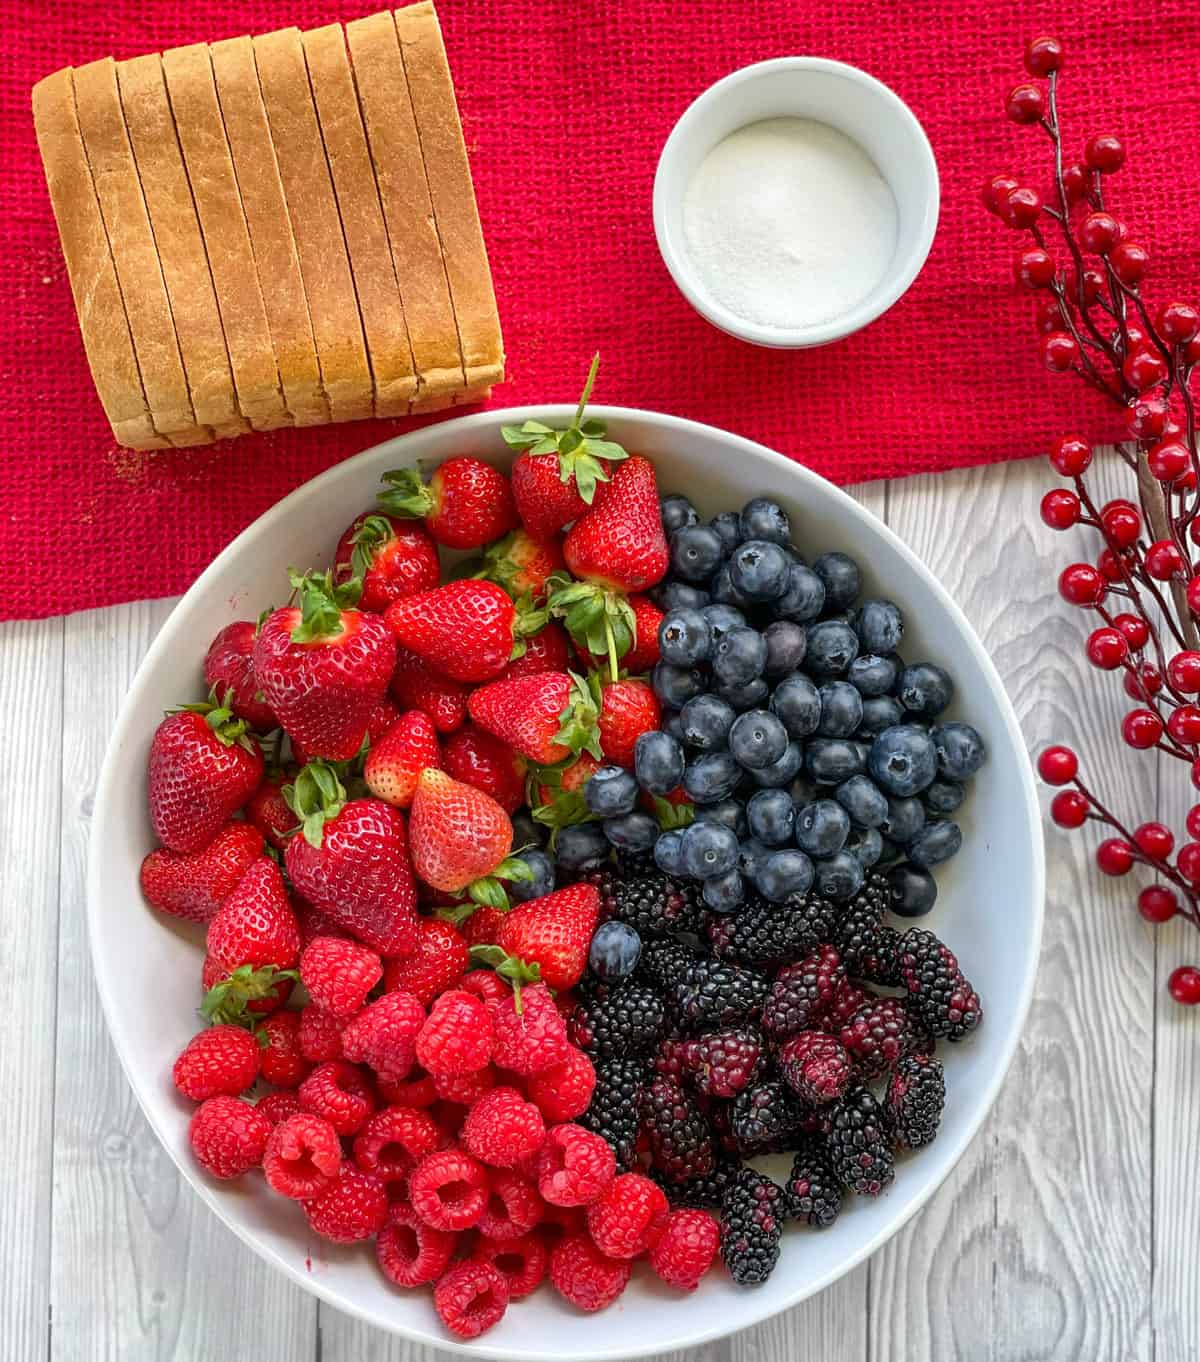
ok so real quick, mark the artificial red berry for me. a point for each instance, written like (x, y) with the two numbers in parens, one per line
(1069, 809)
(1021, 208)
(1107, 649)
(1143, 368)
(1026, 103)
(1034, 267)
(1058, 765)
(1043, 55)
(1155, 840)
(384, 1035)
(1083, 290)
(1135, 629)
(1114, 856)
(393, 1140)
(1104, 152)
(1060, 508)
(410, 1252)
(457, 1035)
(574, 1166)
(1183, 724)
(1141, 728)
(1192, 822)
(228, 1136)
(222, 1060)
(1186, 481)
(303, 1156)
(1184, 985)
(628, 1218)
(584, 1276)
(1111, 566)
(1071, 456)
(340, 1093)
(686, 1248)
(1129, 260)
(1191, 351)
(1146, 417)
(563, 1091)
(1047, 313)
(1059, 351)
(1081, 584)
(339, 974)
(513, 1206)
(996, 189)
(502, 1129)
(1121, 523)
(1178, 323)
(521, 1262)
(1157, 903)
(1183, 672)
(1188, 861)
(449, 1189)
(1135, 337)
(1168, 459)
(1163, 560)
(353, 1208)
(1143, 681)
(1099, 233)
(1076, 180)
(278, 1106)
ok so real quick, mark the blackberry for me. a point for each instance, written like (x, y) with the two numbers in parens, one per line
(921, 1040)
(606, 879)
(669, 1058)
(681, 1144)
(752, 1213)
(654, 905)
(723, 1063)
(764, 933)
(800, 997)
(915, 1098)
(631, 863)
(704, 1192)
(878, 961)
(860, 921)
(877, 1036)
(815, 1066)
(716, 994)
(763, 1118)
(813, 1190)
(938, 989)
(622, 1022)
(613, 1111)
(664, 963)
(860, 1143)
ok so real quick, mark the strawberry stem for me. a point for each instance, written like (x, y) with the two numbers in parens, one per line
(586, 395)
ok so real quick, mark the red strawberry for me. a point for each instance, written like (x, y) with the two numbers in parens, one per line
(439, 962)
(416, 686)
(351, 861)
(643, 653)
(477, 758)
(545, 651)
(619, 544)
(193, 885)
(458, 834)
(545, 717)
(382, 716)
(251, 940)
(467, 630)
(560, 793)
(396, 761)
(229, 670)
(627, 710)
(466, 504)
(203, 767)
(392, 558)
(481, 929)
(554, 932)
(268, 811)
(521, 564)
(323, 669)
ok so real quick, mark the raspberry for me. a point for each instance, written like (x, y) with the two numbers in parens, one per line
(340, 1093)
(470, 1298)
(815, 1066)
(938, 989)
(449, 1190)
(876, 1036)
(751, 1227)
(563, 1092)
(339, 974)
(582, 1275)
(303, 1156)
(415, 1091)
(521, 1262)
(223, 1059)
(485, 983)
(384, 1035)
(440, 961)
(393, 1140)
(457, 1035)
(281, 1061)
(680, 1141)
(278, 1106)
(802, 994)
(320, 1034)
(464, 1089)
(228, 1136)
(410, 1252)
(573, 1166)
(915, 1097)
(533, 1038)
(353, 1208)
(628, 1218)
(860, 1144)
(513, 1206)
(686, 1247)
(814, 1189)
(503, 1129)
(722, 1064)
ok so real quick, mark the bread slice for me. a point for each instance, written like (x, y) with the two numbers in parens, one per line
(362, 219)
(407, 208)
(271, 238)
(312, 208)
(453, 195)
(180, 246)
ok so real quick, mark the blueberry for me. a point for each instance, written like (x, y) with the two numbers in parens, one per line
(832, 646)
(739, 656)
(526, 832)
(684, 638)
(543, 876)
(670, 596)
(781, 773)
(612, 791)
(763, 518)
(822, 827)
(905, 818)
(880, 712)
(891, 852)
(871, 675)
(751, 855)
(865, 803)
(960, 750)
(903, 760)
(830, 761)
(657, 762)
(696, 553)
(879, 626)
(581, 847)
(750, 696)
(865, 845)
(935, 843)
(706, 721)
(675, 686)
(669, 723)
(724, 893)
(786, 645)
(840, 877)
(728, 528)
(725, 593)
(632, 832)
(728, 812)
(798, 703)
(722, 618)
(668, 852)
(841, 578)
(803, 596)
(841, 710)
(924, 689)
(759, 570)
(943, 796)
(757, 739)
(709, 849)
(676, 512)
(913, 892)
(771, 816)
(615, 951)
(783, 873)
(711, 777)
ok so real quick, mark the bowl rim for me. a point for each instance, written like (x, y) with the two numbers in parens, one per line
(130, 714)
(901, 272)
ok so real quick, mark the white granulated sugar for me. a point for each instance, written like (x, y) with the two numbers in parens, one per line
(788, 223)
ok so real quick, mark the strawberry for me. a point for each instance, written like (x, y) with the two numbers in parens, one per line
(323, 668)
(253, 941)
(545, 651)
(554, 477)
(546, 717)
(466, 504)
(553, 933)
(203, 767)
(619, 544)
(439, 962)
(229, 669)
(467, 630)
(559, 793)
(460, 838)
(351, 861)
(477, 758)
(391, 557)
(481, 929)
(268, 811)
(643, 651)
(416, 686)
(522, 565)
(627, 710)
(193, 885)
(396, 761)
(382, 716)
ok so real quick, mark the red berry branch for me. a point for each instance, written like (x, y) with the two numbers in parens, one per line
(1086, 272)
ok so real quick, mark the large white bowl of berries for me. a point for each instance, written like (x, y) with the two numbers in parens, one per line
(863, 753)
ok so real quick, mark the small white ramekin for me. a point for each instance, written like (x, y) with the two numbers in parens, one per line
(844, 98)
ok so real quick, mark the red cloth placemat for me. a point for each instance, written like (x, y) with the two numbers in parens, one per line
(566, 105)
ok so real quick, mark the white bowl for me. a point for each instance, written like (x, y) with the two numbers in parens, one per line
(830, 92)
(990, 908)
